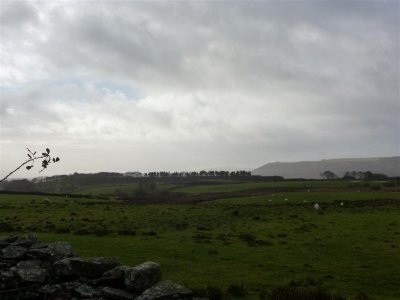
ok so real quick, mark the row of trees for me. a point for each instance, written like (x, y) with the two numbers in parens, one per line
(241, 173)
(70, 183)
(368, 175)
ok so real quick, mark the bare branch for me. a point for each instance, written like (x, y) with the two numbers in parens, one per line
(32, 157)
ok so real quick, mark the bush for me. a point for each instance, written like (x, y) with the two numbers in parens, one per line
(149, 233)
(82, 231)
(6, 227)
(249, 238)
(302, 293)
(127, 231)
(390, 183)
(101, 231)
(375, 188)
(308, 289)
(236, 290)
(62, 229)
(210, 292)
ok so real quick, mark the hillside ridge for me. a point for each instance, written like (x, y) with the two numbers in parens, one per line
(389, 166)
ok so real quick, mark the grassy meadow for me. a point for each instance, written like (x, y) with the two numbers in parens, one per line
(351, 246)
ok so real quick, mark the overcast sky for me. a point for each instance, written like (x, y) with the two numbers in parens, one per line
(185, 85)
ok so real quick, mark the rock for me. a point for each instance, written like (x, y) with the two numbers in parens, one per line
(29, 270)
(93, 267)
(39, 245)
(32, 270)
(13, 252)
(50, 289)
(117, 294)
(54, 251)
(80, 267)
(85, 291)
(5, 241)
(7, 280)
(166, 290)
(32, 275)
(62, 269)
(27, 264)
(25, 241)
(142, 277)
(113, 278)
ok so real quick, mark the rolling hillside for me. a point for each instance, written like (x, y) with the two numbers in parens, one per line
(312, 169)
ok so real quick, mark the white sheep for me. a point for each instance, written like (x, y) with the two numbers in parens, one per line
(316, 206)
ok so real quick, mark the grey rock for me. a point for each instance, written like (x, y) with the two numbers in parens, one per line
(142, 277)
(117, 294)
(59, 250)
(54, 251)
(25, 241)
(13, 252)
(39, 245)
(7, 280)
(118, 272)
(112, 278)
(51, 271)
(85, 291)
(63, 269)
(29, 270)
(32, 275)
(8, 239)
(50, 289)
(28, 264)
(80, 267)
(166, 290)
(93, 267)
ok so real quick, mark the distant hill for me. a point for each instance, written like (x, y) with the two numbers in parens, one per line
(312, 169)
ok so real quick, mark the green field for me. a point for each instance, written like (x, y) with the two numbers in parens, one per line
(351, 245)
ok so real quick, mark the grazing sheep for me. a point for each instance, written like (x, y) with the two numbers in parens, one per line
(316, 206)
(47, 200)
(286, 199)
(341, 203)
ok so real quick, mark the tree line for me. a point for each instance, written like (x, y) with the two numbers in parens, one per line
(368, 175)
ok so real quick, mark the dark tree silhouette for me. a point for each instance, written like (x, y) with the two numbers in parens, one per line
(32, 157)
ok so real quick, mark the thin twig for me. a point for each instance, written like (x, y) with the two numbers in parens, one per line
(23, 164)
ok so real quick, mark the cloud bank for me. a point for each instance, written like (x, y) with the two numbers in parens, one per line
(151, 85)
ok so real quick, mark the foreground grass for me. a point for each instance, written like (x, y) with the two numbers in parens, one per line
(260, 243)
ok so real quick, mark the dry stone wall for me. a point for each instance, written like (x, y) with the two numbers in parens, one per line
(31, 269)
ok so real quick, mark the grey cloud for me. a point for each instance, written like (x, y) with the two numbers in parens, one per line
(320, 77)
(17, 14)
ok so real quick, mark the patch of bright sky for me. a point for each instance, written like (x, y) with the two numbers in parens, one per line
(112, 87)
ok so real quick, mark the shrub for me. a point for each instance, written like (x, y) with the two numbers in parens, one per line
(101, 231)
(210, 292)
(82, 231)
(375, 188)
(249, 238)
(62, 229)
(308, 289)
(6, 227)
(127, 231)
(390, 183)
(291, 292)
(149, 233)
(236, 290)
